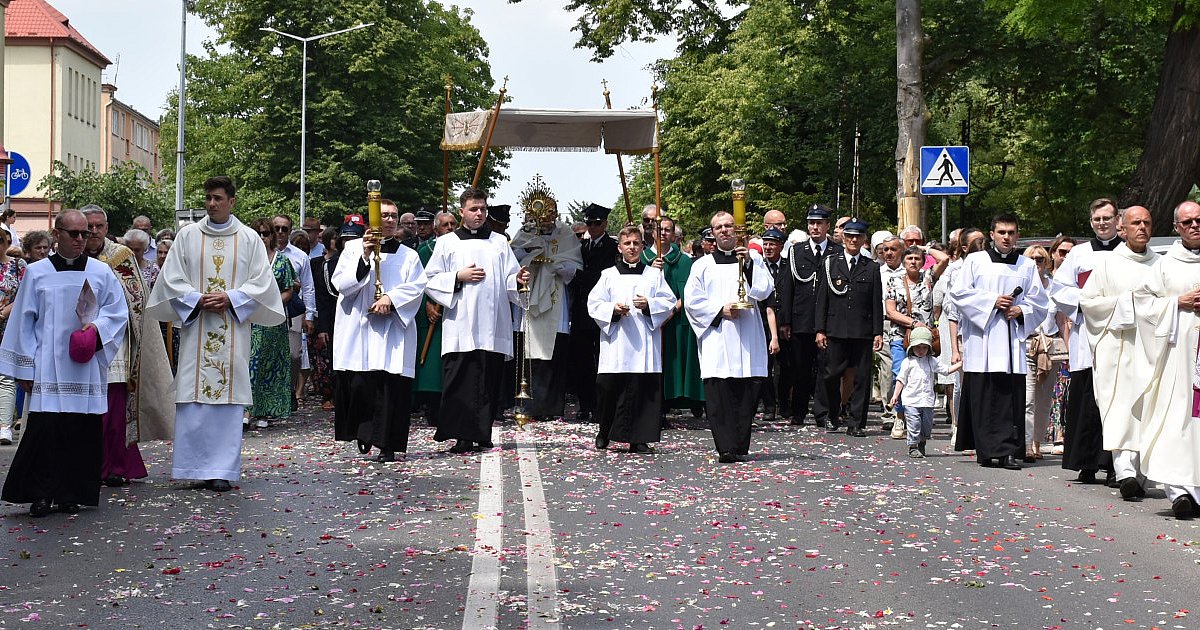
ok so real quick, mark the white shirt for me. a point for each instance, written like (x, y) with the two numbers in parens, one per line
(917, 375)
(303, 270)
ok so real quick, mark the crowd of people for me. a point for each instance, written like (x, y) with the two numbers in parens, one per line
(1029, 352)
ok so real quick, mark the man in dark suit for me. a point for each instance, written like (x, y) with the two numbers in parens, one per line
(797, 292)
(849, 321)
(775, 392)
(599, 252)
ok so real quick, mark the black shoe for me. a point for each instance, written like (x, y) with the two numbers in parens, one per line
(219, 485)
(769, 414)
(796, 422)
(856, 433)
(726, 458)
(115, 481)
(461, 446)
(583, 416)
(887, 426)
(1131, 489)
(68, 508)
(386, 456)
(1184, 508)
(643, 449)
(698, 412)
(915, 453)
(39, 508)
(921, 447)
(601, 443)
(832, 427)
(1110, 479)
(1009, 462)
(1086, 476)
(484, 445)
(741, 458)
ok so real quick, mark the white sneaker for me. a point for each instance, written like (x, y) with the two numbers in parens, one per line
(5, 436)
(898, 432)
(260, 423)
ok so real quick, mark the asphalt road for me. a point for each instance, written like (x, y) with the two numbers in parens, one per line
(818, 531)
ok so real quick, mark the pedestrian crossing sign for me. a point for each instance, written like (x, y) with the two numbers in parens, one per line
(945, 170)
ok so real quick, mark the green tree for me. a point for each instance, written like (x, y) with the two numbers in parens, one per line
(375, 102)
(124, 192)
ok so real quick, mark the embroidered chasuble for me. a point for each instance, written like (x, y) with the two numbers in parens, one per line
(553, 260)
(214, 348)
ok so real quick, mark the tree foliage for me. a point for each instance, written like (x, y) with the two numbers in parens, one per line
(124, 192)
(375, 101)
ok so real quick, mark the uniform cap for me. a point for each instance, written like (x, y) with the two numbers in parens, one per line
(773, 234)
(818, 212)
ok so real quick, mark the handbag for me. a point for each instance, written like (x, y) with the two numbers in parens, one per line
(935, 349)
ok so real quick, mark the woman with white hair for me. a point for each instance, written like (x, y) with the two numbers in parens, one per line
(138, 242)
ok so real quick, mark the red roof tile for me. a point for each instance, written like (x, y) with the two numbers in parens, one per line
(36, 19)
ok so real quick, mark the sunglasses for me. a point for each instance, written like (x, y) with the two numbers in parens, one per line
(77, 233)
(267, 233)
(1187, 222)
(593, 222)
(580, 235)
(1038, 258)
(1064, 252)
(282, 228)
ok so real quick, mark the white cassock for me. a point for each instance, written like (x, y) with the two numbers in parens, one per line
(991, 343)
(1069, 280)
(364, 342)
(632, 344)
(1170, 431)
(1119, 366)
(39, 327)
(731, 348)
(548, 305)
(212, 382)
(477, 315)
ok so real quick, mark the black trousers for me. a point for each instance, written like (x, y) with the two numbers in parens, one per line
(730, 403)
(585, 357)
(627, 407)
(548, 381)
(1083, 445)
(59, 458)
(849, 354)
(808, 363)
(469, 382)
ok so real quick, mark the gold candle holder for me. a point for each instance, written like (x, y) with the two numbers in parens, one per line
(739, 221)
(375, 221)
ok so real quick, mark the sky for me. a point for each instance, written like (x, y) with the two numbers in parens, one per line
(530, 42)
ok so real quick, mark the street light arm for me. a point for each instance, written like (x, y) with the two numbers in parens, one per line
(314, 37)
(279, 32)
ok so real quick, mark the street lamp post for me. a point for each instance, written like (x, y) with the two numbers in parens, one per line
(304, 96)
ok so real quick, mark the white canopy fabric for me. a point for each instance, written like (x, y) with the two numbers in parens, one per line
(615, 131)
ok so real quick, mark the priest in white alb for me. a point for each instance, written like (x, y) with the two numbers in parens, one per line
(1083, 445)
(474, 275)
(66, 325)
(1167, 310)
(375, 341)
(1000, 301)
(216, 282)
(732, 342)
(1119, 366)
(630, 303)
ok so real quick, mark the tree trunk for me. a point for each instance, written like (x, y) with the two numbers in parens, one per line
(1170, 162)
(911, 115)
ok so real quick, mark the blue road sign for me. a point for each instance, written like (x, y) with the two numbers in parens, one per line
(18, 174)
(945, 170)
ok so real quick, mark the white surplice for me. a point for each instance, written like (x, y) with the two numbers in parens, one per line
(991, 343)
(477, 314)
(1069, 280)
(1170, 435)
(1106, 302)
(730, 348)
(633, 343)
(363, 341)
(36, 341)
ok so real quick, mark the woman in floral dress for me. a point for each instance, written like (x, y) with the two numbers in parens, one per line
(270, 358)
(12, 270)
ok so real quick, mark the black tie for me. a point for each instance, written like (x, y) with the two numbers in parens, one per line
(774, 268)
(817, 251)
(853, 260)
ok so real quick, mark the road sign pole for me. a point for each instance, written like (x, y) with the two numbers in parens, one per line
(944, 239)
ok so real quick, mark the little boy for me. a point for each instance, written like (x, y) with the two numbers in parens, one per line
(916, 380)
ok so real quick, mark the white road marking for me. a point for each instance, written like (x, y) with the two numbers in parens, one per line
(483, 591)
(541, 582)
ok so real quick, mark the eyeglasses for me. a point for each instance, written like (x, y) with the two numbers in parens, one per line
(1187, 223)
(77, 233)
(1063, 251)
(594, 222)
(1101, 219)
(283, 229)
(316, 229)
(265, 234)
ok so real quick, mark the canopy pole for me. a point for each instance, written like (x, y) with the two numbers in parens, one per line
(487, 141)
(658, 250)
(620, 164)
(446, 162)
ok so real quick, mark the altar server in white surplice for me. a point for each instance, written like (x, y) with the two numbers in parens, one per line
(217, 282)
(1167, 308)
(62, 364)
(375, 341)
(733, 346)
(630, 303)
(474, 275)
(994, 321)
(1083, 447)
(1119, 366)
